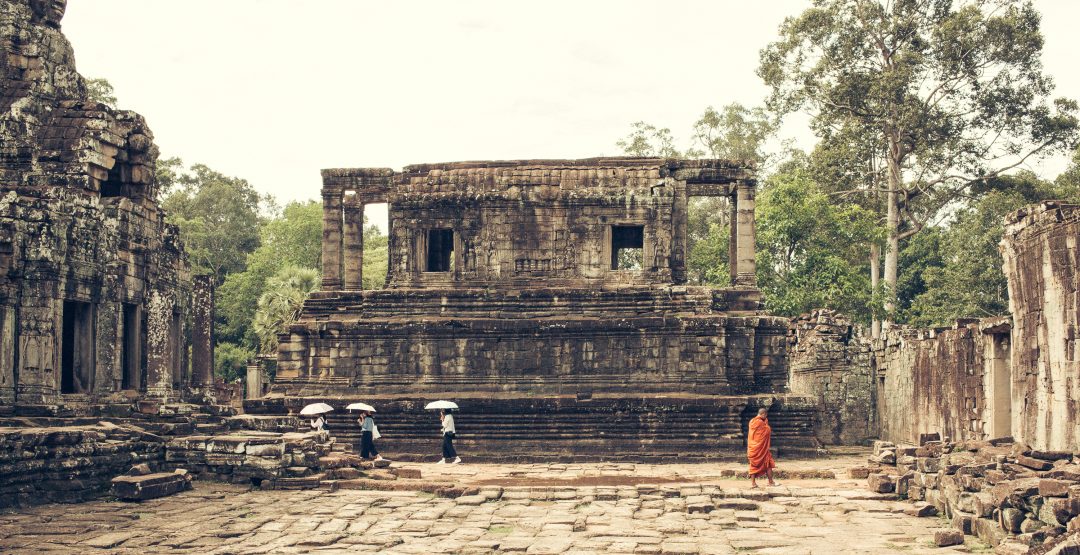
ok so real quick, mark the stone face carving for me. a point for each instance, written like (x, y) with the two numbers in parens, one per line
(92, 279)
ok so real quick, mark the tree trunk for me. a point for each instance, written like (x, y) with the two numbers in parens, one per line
(892, 254)
(875, 282)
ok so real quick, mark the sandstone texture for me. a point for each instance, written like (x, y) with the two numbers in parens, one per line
(94, 285)
(1042, 260)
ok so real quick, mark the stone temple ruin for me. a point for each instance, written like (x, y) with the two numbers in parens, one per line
(94, 285)
(547, 297)
(543, 291)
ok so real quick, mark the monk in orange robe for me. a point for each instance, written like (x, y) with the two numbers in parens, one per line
(758, 442)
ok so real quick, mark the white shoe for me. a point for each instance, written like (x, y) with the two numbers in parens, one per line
(457, 460)
(378, 457)
(441, 461)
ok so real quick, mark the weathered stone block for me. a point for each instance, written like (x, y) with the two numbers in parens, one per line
(149, 486)
(945, 538)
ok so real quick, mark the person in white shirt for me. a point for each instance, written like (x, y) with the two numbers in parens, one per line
(367, 436)
(448, 433)
(318, 423)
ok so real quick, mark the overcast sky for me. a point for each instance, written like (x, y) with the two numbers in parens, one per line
(274, 90)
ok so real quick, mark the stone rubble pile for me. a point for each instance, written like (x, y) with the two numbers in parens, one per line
(69, 464)
(249, 456)
(1005, 493)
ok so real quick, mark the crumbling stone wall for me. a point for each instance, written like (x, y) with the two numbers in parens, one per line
(832, 365)
(946, 381)
(93, 282)
(1042, 262)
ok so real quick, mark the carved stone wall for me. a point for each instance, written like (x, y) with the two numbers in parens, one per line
(950, 381)
(832, 365)
(1042, 263)
(93, 282)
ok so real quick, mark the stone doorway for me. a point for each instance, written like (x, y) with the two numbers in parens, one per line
(77, 348)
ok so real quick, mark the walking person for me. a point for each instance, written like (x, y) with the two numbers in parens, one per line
(318, 423)
(448, 431)
(367, 436)
(758, 443)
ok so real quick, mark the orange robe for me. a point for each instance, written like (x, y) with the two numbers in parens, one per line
(758, 443)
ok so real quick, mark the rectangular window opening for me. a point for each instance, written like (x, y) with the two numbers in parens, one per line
(627, 247)
(77, 348)
(440, 250)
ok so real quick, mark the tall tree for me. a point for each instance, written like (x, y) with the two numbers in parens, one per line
(952, 94)
(219, 218)
(649, 141)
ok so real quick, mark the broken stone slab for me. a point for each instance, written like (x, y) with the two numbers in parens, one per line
(881, 483)
(150, 486)
(406, 472)
(1051, 455)
(921, 510)
(927, 438)
(1050, 487)
(946, 538)
(1033, 463)
(1011, 493)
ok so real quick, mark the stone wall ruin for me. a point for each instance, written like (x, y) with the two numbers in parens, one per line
(94, 286)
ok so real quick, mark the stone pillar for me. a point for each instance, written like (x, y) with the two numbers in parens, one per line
(331, 240)
(202, 332)
(679, 214)
(159, 311)
(254, 382)
(733, 237)
(354, 244)
(746, 237)
(7, 355)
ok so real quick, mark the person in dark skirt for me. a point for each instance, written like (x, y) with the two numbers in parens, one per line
(449, 431)
(367, 436)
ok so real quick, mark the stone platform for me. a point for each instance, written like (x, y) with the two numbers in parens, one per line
(587, 508)
(516, 428)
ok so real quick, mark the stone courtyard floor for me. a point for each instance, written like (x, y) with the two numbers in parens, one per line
(522, 508)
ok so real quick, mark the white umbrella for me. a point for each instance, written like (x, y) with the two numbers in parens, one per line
(361, 406)
(315, 408)
(441, 405)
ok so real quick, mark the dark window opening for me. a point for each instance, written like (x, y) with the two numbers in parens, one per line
(627, 247)
(129, 348)
(114, 186)
(440, 250)
(77, 348)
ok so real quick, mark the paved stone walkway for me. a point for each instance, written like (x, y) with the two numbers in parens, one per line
(702, 514)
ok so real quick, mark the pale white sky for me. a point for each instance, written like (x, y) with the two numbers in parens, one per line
(274, 90)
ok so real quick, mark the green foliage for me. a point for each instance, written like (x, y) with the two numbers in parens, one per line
(708, 234)
(812, 250)
(734, 133)
(967, 280)
(376, 257)
(294, 238)
(646, 140)
(230, 361)
(940, 94)
(280, 303)
(100, 90)
(218, 216)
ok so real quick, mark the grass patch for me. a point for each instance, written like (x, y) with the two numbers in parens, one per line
(500, 529)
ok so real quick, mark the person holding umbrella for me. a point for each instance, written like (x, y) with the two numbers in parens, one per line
(369, 432)
(448, 430)
(316, 410)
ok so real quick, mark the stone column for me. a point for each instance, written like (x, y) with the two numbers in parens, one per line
(7, 355)
(746, 237)
(38, 371)
(679, 214)
(331, 240)
(354, 244)
(202, 332)
(254, 382)
(733, 237)
(159, 310)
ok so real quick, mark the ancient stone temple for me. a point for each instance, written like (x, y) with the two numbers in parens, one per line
(94, 285)
(543, 291)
